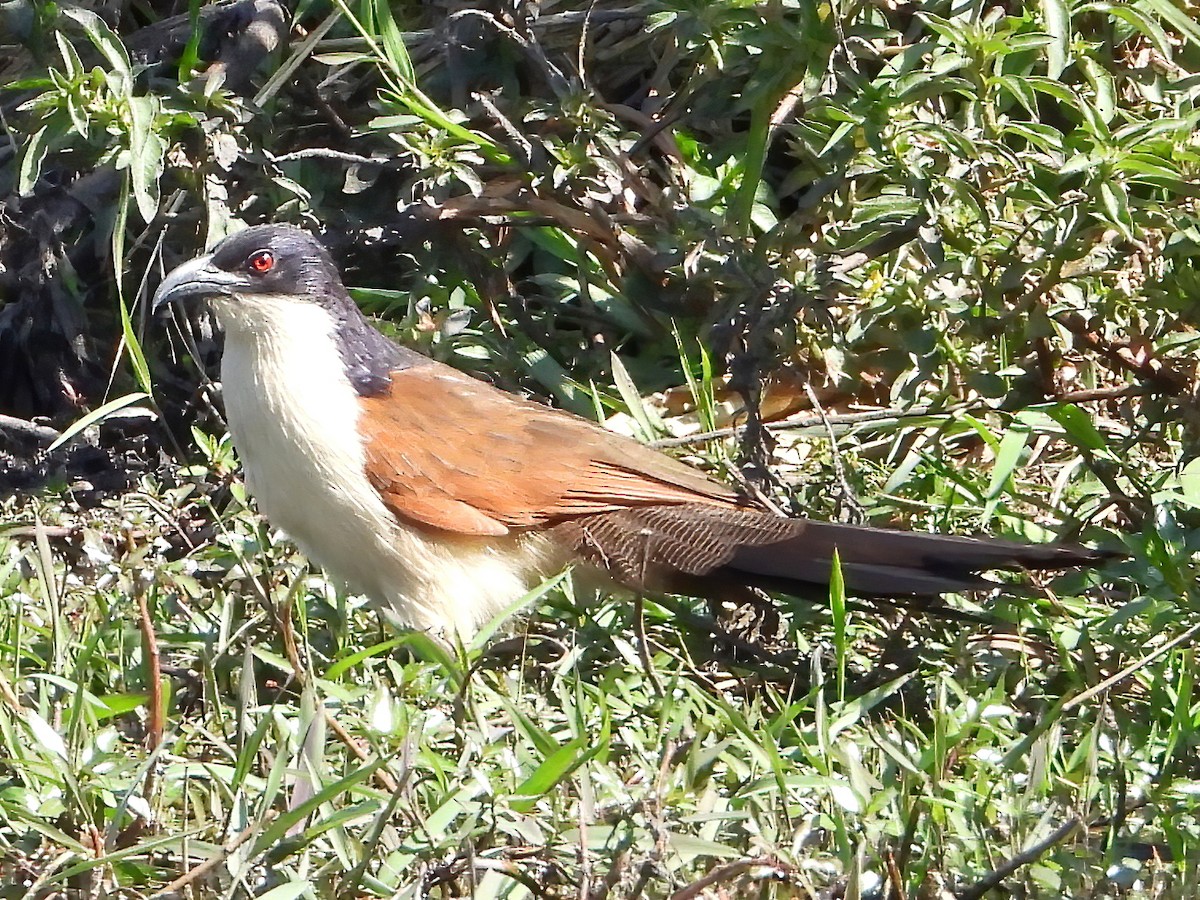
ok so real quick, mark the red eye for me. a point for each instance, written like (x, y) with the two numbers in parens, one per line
(261, 262)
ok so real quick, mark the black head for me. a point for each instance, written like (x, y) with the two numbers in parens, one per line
(261, 277)
(265, 259)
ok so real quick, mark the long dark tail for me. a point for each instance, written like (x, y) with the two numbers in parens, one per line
(880, 562)
(683, 547)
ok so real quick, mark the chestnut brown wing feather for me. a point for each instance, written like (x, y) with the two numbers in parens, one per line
(452, 453)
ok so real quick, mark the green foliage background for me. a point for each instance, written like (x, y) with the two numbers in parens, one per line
(945, 249)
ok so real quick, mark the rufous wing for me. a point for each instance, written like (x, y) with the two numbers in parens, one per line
(452, 453)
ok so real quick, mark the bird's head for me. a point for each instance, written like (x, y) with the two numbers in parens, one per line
(276, 285)
(258, 270)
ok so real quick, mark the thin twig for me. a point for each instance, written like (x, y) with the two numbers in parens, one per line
(283, 619)
(873, 415)
(643, 642)
(215, 860)
(154, 727)
(513, 871)
(730, 871)
(338, 155)
(1024, 858)
(915, 412)
(1090, 395)
(415, 40)
(517, 140)
(553, 75)
(383, 776)
(847, 502)
(1160, 371)
(897, 880)
(1130, 669)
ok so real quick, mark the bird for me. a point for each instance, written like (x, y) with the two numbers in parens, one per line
(445, 499)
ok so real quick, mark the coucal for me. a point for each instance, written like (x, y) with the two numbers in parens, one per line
(445, 499)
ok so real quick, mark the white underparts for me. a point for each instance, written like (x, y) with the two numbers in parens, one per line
(294, 416)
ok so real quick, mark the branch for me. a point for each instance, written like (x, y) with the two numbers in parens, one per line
(175, 888)
(1024, 858)
(39, 433)
(884, 415)
(728, 871)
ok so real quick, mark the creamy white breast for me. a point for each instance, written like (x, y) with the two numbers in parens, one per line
(293, 415)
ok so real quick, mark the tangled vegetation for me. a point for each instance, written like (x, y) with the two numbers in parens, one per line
(926, 263)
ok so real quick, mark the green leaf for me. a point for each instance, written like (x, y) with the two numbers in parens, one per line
(406, 93)
(248, 753)
(1189, 482)
(855, 710)
(1115, 200)
(945, 28)
(557, 766)
(283, 824)
(1078, 426)
(1173, 128)
(1095, 122)
(646, 421)
(425, 646)
(119, 704)
(349, 662)
(70, 56)
(1008, 457)
(139, 849)
(488, 629)
(1148, 164)
(394, 49)
(96, 415)
(885, 206)
(1178, 20)
(1020, 91)
(1064, 93)
(189, 58)
(1057, 18)
(289, 891)
(104, 40)
(1139, 19)
(1030, 40)
(1082, 162)
(1104, 87)
(837, 607)
(530, 730)
(689, 847)
(147, 151)
(48, 739)
(937, 86)
(32, 158)
(950, 140)
(38, 824)
(133, 347)
(550, 373)
(273, 659)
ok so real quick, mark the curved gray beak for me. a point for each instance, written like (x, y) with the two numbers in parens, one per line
(195, 279)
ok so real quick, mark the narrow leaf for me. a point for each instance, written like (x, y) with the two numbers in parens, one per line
(146, 152)
(96, 415)
(633, 399)
(1058, 23)
(837, 607)
(32, 159)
